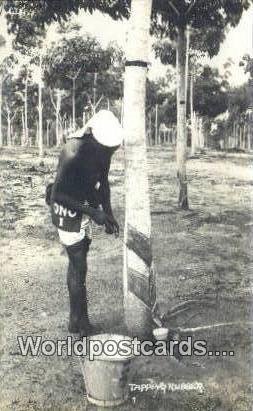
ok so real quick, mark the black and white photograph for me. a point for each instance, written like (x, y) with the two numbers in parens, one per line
(126, 194)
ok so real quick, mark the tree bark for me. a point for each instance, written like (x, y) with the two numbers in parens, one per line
(1, 99)
(122, 112)
(187, 63)
(156, 124)
(84, 118)
(74, 104)
(23, 129)
(48, 142)
(249, 136)
(181, 119)
(150, 129)
(95, 92)
(139, 278)
(193, 121)
(40, 108)
(26, 113)
(58, 108)
(8, 128)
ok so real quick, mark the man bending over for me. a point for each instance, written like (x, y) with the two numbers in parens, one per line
(81, 193)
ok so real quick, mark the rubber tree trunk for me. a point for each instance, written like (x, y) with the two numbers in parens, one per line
(249, 136)
(139, 278)
(95, 92)
(193, 120)
(26, 113)
(57, 115)
(187, 51)
(181, 120)
(40, 109)
(1, 102)
(156, 124)
(23, 128)
(74, 104)
(8, 128)
(47, 134)
(121, 111)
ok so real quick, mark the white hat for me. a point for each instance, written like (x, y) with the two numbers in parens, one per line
(106, 129)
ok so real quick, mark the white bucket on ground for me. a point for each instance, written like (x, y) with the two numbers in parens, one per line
(106, 376)
(161, 333)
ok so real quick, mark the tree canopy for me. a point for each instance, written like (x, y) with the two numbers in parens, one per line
(75, 57)
(211, 93)
(166, 15)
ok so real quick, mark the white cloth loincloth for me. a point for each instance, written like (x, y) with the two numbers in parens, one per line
(70, 238)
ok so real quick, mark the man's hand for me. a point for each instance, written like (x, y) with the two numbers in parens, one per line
(101, 218)
(112, 227)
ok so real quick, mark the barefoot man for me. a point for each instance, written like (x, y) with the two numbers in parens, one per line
(81, 193)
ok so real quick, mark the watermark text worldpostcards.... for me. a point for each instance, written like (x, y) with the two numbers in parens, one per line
(94, 348)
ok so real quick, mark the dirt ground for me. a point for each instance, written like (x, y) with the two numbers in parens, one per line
(204, 254)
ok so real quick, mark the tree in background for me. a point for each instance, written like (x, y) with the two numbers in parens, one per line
(81, 65)
(207, 22)
(21, 83)
(211, 93)
(247, 63)
(12, 101)
(70, 60)
(29, 43)
(210, 99)
(156, 94)
(2, 44)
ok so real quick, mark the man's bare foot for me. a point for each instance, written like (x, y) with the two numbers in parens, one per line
(73, 327)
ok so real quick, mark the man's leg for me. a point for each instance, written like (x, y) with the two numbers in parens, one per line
(76, 277)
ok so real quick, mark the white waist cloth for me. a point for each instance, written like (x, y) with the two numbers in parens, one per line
(69, 238)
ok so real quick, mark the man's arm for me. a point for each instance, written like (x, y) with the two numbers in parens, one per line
(98, 216)
(105, 195)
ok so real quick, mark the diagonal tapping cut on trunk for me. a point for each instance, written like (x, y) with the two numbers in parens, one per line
(140, 244)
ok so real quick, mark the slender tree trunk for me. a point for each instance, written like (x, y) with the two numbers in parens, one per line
(193, 126)
(139, 278)
(8, 128)
(74, 104)
(36, 143)
(95, 92)
(23, 129)
(26, 112)
(40, 109)
(156, 124)
(235, 136)
(201, 134)
(249, 136)
(181, 118)
(150, 128)
(187, 63)
(47, 133)
(57, 115)
(240, 137)
(244, 136)
(122, 112)
(1, 99)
